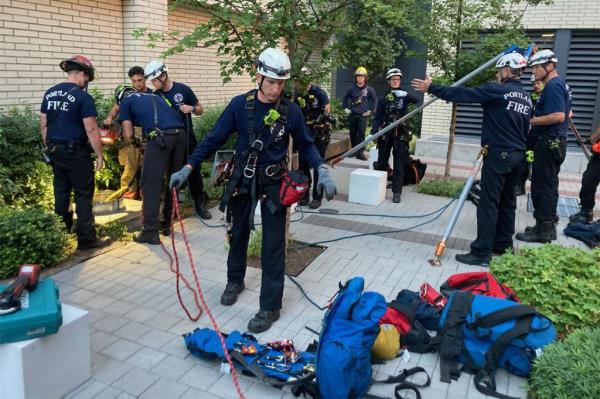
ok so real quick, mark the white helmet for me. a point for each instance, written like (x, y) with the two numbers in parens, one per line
(393, 72)
(154, 69)
(512, 60)
(542, 57)
(273, 63)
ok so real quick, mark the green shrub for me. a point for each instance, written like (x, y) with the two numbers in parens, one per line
(109, 177)
(117, 231)
(569, 368)
(205, 123)
(25, 180)
(30, 236)
(562, 283)
(441, 188)
(255, 243)
(337, 111)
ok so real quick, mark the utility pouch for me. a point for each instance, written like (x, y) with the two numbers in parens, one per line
(554, 145)
(294, 185)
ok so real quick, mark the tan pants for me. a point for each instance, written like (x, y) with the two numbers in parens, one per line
(129, 157)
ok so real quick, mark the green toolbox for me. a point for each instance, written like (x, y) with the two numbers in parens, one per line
(39, 314)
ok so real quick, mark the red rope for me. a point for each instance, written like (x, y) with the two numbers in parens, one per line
(213, 321)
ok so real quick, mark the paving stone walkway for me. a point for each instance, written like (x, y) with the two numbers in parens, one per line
(137, 322)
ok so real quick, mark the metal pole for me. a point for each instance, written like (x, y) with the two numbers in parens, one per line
(586, 151)
(439, 250)
(415, 111)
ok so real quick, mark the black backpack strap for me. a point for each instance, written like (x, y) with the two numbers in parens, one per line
(502, 316)
(403, 385)
(451, 341)
(418, 339)
(485, 381)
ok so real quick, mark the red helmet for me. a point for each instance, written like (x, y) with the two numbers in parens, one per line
(78, 63)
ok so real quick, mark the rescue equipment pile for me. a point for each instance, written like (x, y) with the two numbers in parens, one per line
(479, 324)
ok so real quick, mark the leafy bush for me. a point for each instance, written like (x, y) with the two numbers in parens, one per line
(569, 368)
(205, 123)
(337, 111)
(109, 177)
(441, 188)
(255, 243)
(117, 231)
(30, 236)
(25, 180)
(562, 283)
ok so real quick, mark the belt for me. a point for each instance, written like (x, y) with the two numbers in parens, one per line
(176, 130)
(271, 170)
(65, 142)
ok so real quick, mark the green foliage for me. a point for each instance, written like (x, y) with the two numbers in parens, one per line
(103, 103)
(241, 29)
(441, 188)
(562, 283)
(213, 192)
(109, 176)
(255, 243)
(414, 123)
(337, 111)
(117, 231)
(25, 180)
(569, 368)
(30, 236)
(205, 123)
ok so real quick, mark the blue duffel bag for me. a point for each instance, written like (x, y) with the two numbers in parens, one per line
(479, 334)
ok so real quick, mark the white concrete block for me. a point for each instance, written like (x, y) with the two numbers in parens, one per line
(48, 367)
(367, 186)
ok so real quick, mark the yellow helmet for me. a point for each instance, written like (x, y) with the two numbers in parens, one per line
(361, 71)
(387, 344)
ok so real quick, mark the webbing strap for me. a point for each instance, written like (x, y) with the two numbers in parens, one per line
(451, 342)
(502, 316)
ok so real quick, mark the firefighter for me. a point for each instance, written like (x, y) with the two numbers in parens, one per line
(264, 120)
(164, 135)
(390, 108)
(316, 108)
(589, 184)
(129, 153)
(549, 130)
(359, 102)
(68, 127)
(506, 113)
(183, 99)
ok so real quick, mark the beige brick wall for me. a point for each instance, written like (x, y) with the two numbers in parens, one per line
(36, 34)
(562, 14)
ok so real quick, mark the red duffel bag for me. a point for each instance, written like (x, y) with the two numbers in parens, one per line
(480, 283)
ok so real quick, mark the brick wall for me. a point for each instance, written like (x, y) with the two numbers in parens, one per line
(35, 35)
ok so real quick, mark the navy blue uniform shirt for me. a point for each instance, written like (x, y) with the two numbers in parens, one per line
(315, 100)
(360, 99)
(178, 95)
(234, 119)
(554, 98)
(66, 105)
(388, 109)
(506, 111)
(138, 108)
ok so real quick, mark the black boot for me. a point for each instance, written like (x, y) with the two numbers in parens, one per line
(201, 207)
(98, 243)
(263, 320)
(541, 232)
(397, 198)
(314, 204)
(305, 199)
(520, 189)
(165, 228)
(585, 216)
(472, 259)
(143, 237)
(361, 155)
(230, 295)
(530, 229)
